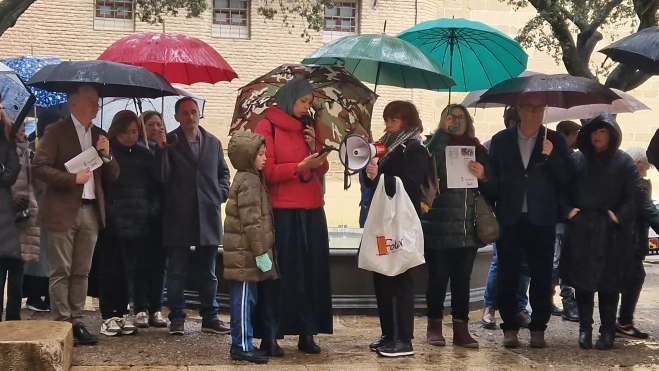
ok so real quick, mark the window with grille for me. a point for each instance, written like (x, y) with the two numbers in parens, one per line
(114, 15)
(231, 19)
(341, 20)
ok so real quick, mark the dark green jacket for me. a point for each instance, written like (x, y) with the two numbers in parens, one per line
(450, 221)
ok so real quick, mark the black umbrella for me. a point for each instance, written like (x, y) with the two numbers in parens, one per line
(564, 91)
(109, 78)
(640, 50)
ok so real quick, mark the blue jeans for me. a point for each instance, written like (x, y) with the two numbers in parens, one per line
(491, 287)
(177, 265)
(242, 299)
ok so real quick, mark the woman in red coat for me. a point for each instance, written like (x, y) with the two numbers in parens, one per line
(300, 303)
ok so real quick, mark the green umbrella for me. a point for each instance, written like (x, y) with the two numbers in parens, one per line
(476, 55)
(383, 60)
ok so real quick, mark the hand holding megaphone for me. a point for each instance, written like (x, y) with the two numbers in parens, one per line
(372, 169)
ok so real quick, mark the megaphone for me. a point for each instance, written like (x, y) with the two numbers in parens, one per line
(355, 152)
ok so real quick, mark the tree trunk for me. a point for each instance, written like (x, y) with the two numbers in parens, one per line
(10, 10)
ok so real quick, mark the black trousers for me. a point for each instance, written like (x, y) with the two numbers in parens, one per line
(11, 273)
(608, 305)
(395, 298)
(454, 264)
(116, 272)
(536, 243)
(631, 293)
(35, 287)
(150, 273)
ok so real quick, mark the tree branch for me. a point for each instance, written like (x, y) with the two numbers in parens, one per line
(10, 10)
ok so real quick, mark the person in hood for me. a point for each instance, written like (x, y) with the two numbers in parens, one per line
(300, 303)
(602, 201)
(248, 240)
(647, 217)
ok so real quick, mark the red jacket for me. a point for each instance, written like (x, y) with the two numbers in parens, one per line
(283, 154)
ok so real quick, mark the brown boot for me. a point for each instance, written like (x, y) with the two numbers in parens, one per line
(434, 332)
(461, 335)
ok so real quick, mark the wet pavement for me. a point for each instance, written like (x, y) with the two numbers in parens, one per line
(347, 349)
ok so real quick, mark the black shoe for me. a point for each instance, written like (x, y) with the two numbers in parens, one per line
(271, 348)
(384, 340)
(82, 336)
(254, 355)
(570, 311)
(586, 339)
(606, 341)
(556, 311)
(308, 345)
(396, 349)
(630, 332)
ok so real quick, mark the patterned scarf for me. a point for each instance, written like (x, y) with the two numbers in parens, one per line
(393, 140)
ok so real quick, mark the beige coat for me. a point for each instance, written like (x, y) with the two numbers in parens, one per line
(29, 232)
(248, 228)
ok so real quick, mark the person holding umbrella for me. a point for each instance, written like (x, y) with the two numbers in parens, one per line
(603, 202)
(529, 171)
(73, 208)
(300, 302)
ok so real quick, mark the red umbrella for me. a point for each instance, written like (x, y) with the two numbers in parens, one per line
(179, 58)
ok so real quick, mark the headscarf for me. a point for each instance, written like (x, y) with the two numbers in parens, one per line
(293, 90)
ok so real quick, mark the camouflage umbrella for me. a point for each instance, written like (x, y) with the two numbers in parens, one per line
(341, 102)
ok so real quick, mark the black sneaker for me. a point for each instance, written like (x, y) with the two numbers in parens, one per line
(629, 332)
(82, 336)
(254, 355)
(177, 327)
(556, 311)
(396, 349)
(570, 311)
(384, 340)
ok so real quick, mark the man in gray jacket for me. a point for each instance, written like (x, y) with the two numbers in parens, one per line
(196, 181)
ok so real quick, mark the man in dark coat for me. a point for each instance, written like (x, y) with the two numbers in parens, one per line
(529, 166)
(196, 180)
(602, 201)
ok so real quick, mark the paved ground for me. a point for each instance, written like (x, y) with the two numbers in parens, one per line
(347, 348)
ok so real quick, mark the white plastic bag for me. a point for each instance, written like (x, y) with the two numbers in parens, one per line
(392, 241)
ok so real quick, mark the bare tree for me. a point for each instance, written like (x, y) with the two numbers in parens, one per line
(570, 31)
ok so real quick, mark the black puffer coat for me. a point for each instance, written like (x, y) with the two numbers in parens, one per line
(647, 217)
(132, 200)
(450, 222)
(10, 247)
(598, 253)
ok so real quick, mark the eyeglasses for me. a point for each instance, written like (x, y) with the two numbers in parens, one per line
(460, 117)
(532, 108)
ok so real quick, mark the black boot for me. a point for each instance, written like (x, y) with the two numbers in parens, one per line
(570, 310)
(308, 345)
(606, 340)
(585, 339)
(271, 348)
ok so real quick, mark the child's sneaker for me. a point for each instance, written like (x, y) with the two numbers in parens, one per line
(629, 332)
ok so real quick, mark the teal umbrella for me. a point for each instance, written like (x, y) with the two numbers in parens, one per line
(476, 55)
(383, 60)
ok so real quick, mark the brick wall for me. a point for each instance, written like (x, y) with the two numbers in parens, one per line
(64, 28)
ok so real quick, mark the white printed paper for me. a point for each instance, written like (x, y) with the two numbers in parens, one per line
(457, 167)
(88, 159)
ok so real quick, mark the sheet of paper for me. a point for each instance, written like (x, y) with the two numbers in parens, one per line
(89, 158)
(457, 167)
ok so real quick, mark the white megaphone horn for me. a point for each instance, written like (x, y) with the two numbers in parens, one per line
(355, 152)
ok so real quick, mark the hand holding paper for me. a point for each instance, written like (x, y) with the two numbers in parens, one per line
(87, 160)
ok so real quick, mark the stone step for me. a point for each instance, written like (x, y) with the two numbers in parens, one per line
(36, 345)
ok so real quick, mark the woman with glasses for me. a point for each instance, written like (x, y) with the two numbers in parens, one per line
(451, 243)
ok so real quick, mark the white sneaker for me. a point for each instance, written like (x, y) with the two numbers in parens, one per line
(127, 326)
(111, 327)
